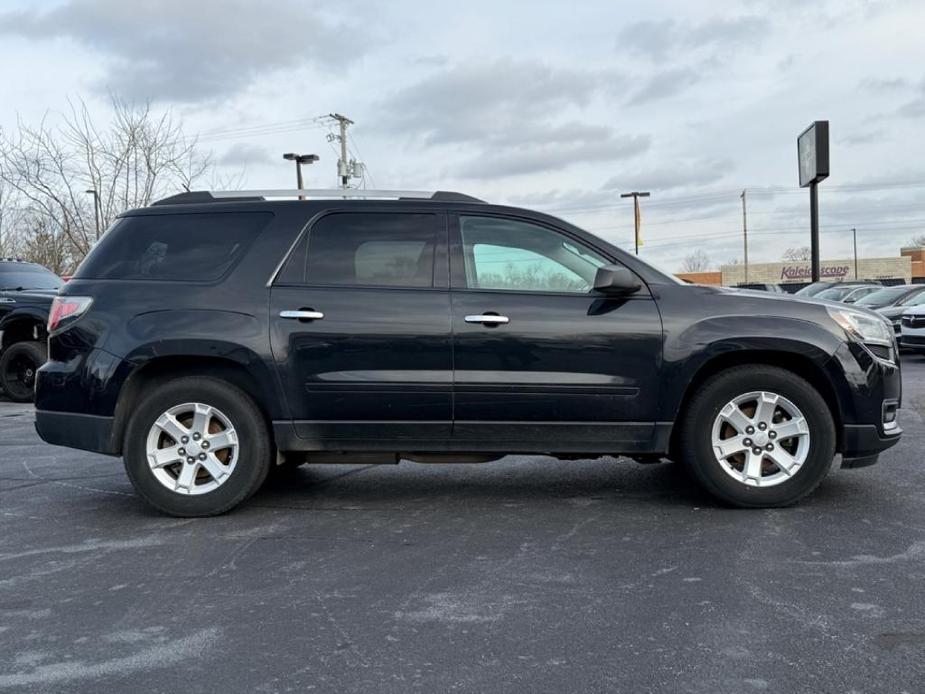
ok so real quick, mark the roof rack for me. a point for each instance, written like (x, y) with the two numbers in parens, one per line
(202, 196)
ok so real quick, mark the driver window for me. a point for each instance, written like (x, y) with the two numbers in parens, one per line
(508, 254)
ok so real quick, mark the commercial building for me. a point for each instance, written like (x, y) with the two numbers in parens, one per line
(907, 268)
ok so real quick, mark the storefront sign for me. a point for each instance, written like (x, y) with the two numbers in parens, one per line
(802, 272)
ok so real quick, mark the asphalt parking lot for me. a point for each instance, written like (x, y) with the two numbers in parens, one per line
(524, 575)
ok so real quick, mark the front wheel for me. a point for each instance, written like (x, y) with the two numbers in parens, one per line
(18, 365)
(758, 437)
(196, 446)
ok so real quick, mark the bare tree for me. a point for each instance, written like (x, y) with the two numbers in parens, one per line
(918, 240)
(698, 261)
(136, 158)
(795, 254)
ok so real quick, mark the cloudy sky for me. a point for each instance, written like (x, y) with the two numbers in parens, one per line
(557, 106)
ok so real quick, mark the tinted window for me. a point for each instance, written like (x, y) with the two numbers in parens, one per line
(510, 254)
(21, 275)
(371, 249)
(173, 246)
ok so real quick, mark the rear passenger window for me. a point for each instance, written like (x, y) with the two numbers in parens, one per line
(173, 246)
(366, 249)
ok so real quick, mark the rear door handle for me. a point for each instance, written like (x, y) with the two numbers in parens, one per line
(488, 319)
(302, 314)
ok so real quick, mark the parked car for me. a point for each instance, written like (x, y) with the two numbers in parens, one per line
(761, 287)
(26, 292)
(813, 289)
(913, 328)
(205, 339)
(890, 296)
(846, 294)
(894, 312)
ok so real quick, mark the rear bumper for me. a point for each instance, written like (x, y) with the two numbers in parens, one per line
(84, 431)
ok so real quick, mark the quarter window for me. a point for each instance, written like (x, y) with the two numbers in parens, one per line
(509, 254)
(366, 249)
(196, 247)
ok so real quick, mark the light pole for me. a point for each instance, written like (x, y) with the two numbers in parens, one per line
(854, 233)
(300, 159)
(96, 210)
(635, 195)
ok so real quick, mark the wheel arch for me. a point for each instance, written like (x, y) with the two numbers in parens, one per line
(23, 325)
(799, 364)
(160, 369)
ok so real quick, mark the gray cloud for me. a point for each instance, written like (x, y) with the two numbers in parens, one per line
(663, 85)
(470, 101)
(659, 39)
(553, 156)
(190, 51)
(245, 154)
(678, 174)
(884, 84)
(512, 115)
(916, 107)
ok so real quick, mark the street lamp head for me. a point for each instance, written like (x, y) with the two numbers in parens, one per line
(92, 191)
(290, 156)
(308, 158)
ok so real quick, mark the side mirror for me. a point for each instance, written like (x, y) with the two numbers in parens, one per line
(615, 280)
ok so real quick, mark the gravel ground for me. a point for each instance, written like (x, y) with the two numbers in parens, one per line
(525, 575)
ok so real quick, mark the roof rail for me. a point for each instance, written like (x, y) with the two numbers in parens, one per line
(202, 196)
(441, 195)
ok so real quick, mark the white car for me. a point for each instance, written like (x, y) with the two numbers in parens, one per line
(913, 328)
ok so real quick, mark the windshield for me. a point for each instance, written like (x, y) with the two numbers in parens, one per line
(913, 299)
(813, 289)
(883, 297)
(28, 277)
(835, 293)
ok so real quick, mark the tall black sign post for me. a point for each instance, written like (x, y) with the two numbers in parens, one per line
(813, 157)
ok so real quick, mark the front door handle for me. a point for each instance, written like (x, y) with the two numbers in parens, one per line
(302, 314)
(488, 319)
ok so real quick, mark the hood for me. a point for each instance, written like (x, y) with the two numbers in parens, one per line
(775, 304)
(913, 310)
(30, 296)
(891, 312)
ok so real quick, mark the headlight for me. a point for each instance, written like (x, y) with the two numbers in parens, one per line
(866, 328)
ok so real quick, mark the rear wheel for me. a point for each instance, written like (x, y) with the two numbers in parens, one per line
(18, 365)
(196, 447)
(758, 436)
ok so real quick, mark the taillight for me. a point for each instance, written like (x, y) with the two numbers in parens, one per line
(67, 309)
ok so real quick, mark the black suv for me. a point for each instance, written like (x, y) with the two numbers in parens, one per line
(208, 340)
(26, 291)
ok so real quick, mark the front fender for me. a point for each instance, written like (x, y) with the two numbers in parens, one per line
(693, 348)
(33, 315)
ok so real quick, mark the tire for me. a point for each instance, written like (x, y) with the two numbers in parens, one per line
(188, 489)
(18, 365)
(708, 415)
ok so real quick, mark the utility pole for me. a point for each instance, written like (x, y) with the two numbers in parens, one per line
(635, 195)
(854, 233)
(96, 209)
(300, 159)
(343, 165)
(745, 231)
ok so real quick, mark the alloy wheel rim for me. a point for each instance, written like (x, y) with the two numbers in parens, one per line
(760, 439)
(192, 448)
(20, 373)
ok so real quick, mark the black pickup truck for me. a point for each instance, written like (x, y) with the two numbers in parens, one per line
(26, 292)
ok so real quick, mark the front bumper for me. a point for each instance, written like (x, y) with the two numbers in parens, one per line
(84, 431)
(863, 444)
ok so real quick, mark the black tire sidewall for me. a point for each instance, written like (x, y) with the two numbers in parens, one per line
(724, 387)
(36, 351)
(253, 456)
